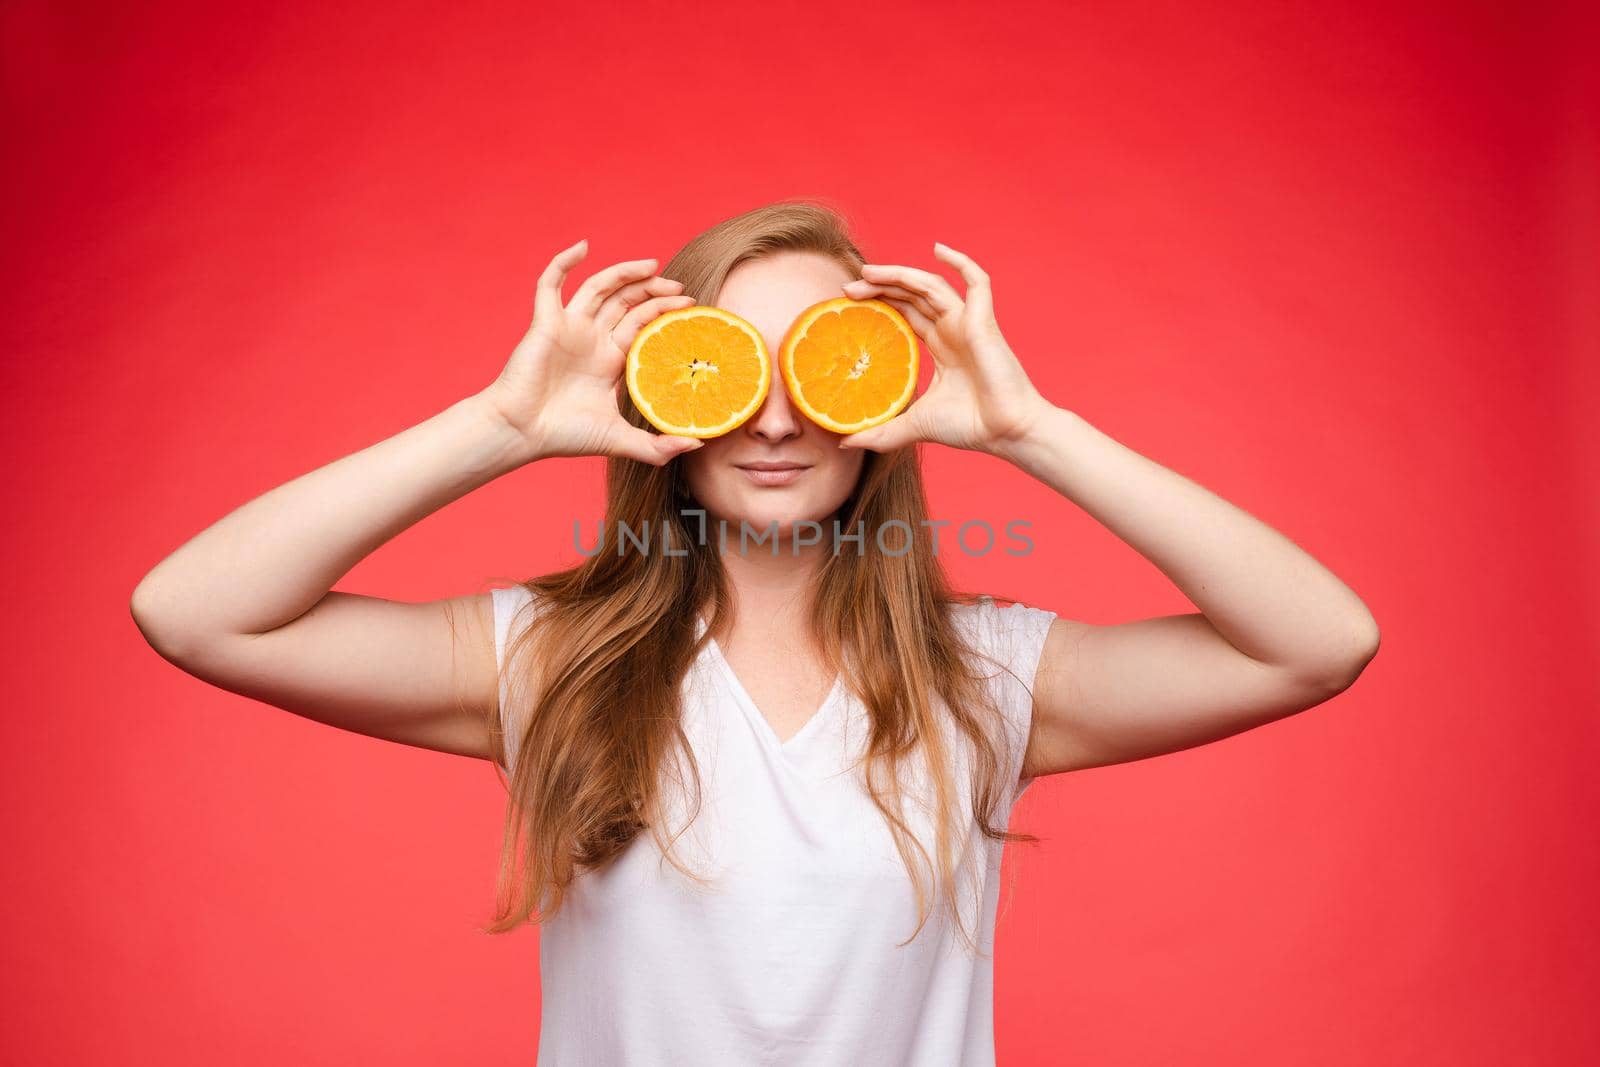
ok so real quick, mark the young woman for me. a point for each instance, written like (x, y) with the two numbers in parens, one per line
(758, 798)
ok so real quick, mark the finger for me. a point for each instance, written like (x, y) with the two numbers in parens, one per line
(898, 432)
(597, 287)
(630, 324)
(547, 294)
(632, 442)
(864, 290)
(919, 322)
(630, 296)
(980, 294)
(939, 293)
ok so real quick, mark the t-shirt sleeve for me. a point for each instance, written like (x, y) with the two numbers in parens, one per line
(511, 617)
(1013, 636)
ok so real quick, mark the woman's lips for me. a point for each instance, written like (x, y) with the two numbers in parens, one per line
(773, 473)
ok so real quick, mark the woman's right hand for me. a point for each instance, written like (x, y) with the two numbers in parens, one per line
(559, 389)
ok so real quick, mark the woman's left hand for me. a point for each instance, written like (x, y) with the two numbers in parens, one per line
(979, 398)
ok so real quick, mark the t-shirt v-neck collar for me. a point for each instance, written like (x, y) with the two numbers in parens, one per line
(741, 695)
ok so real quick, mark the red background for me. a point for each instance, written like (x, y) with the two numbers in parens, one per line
(1335, 262)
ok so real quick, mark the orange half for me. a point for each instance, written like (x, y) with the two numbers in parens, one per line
(850, 364)
(698, 371)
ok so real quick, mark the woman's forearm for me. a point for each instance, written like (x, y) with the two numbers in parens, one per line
(272, 559)
(1269, 598)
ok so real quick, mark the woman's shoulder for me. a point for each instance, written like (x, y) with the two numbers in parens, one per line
(512, 613)
(1004, 625)
(1010, 635)
(1009, 641)
(511, 598)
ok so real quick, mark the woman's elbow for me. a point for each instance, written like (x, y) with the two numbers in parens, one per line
(1355, 650)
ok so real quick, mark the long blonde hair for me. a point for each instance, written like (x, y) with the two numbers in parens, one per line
(601, 723)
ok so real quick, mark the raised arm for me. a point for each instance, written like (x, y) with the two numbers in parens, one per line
(246, 604)
(1276, 632)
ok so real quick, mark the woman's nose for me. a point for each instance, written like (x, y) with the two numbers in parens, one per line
(778, 419)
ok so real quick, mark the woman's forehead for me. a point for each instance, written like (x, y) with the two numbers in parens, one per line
(770, 292)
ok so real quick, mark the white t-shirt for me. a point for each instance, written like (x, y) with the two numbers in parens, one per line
(791, 956)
